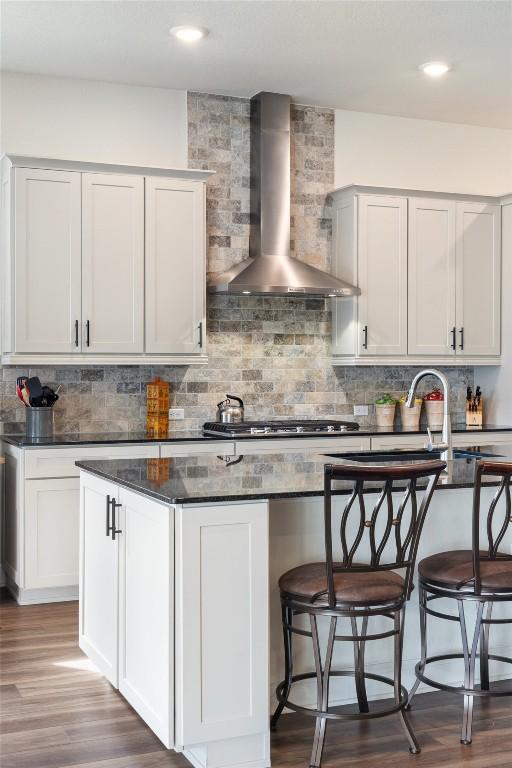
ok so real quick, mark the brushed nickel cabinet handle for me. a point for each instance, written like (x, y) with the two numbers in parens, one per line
(365, 337)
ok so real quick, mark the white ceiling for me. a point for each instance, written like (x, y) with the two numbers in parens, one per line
(359, 56)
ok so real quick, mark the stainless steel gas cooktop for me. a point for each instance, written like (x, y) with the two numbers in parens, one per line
(285, 427)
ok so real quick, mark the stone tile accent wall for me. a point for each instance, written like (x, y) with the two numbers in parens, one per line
(273, 352)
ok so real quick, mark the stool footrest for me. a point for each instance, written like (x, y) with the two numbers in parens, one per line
(420, 667)
(338, 716)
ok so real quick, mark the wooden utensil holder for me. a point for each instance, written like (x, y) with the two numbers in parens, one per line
(475, 418)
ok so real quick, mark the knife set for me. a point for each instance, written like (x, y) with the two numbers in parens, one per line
(474, 408)
(39, 401)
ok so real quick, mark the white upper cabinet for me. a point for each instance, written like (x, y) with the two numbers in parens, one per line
(46, 269)
(382, 306)
(112, 263)
(478, 254)
(83, 281)
(429, 270)
(175, 266)
(431, 277)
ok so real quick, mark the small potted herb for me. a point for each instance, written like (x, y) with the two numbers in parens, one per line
(410, 417)
(385, 411)
(434, 403)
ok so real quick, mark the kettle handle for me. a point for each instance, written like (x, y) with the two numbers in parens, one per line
(238, 399)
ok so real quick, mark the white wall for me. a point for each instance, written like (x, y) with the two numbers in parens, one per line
(85, 120)
(421, 154)
(496, 382)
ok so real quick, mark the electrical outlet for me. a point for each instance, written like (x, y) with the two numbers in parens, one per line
(360, 410)
(176, 413)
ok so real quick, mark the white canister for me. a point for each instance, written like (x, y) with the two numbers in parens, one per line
(435, 409)
(410, 417)
(385, 415)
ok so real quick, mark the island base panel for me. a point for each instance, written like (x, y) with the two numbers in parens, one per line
(244, 752)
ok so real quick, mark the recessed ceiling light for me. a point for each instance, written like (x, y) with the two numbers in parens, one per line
(435, 68)
(189, 34)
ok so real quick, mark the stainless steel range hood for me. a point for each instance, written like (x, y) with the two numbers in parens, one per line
(270, 268)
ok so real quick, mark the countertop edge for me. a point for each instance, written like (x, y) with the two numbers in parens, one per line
(19, 441)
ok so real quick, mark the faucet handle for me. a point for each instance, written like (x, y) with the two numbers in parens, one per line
(429, 445)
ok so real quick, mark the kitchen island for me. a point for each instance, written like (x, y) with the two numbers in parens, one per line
(179, 604)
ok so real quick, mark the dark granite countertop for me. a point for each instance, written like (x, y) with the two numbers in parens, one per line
(175, 436)
(265, 476)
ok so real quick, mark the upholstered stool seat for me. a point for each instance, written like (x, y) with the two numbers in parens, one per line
(455, 569)
(309, 583)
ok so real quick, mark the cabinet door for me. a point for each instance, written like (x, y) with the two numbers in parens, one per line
(112, 263)
(382, 255)
(146, 611)
(98, 633)
(478, 303)
(47, 260)
(221, 622)
(51, 532)
(431, 304)
(175, 266)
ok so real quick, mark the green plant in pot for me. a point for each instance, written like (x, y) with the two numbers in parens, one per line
(385, 406)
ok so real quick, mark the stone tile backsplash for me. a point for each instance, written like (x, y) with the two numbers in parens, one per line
(273, 352)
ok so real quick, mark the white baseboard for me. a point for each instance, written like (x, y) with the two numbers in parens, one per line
(44, 595)
(242, 752)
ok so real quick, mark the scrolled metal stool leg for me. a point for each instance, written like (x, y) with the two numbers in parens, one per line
(469, 672)
(423, 639)
(359, 648)
(287, 618)
(414, 747)
(484, 650)
(322, 677)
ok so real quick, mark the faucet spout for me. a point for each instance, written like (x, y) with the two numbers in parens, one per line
(446, 445)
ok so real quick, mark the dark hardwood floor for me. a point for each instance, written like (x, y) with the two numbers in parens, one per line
(57, 713)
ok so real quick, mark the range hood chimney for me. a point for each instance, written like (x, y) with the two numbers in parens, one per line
(270, 268)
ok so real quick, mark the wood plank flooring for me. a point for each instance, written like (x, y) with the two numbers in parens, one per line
(58, 713)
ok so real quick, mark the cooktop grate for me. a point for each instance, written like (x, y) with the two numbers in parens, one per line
(289, 426)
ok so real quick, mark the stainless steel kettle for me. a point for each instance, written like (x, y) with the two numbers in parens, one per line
(229, 412)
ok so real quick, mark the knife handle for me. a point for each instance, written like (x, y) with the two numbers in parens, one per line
(454, 343)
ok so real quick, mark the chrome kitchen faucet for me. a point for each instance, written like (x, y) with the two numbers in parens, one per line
(446, 445)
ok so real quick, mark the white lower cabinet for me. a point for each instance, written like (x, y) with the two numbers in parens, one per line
(41, 516)
(174, 612)
(51, 542)
(146, 611)
(99, 567)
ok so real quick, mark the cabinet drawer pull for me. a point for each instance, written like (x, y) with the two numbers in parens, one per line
(454, 337)
(365, 337)
(201, 334)
(76, 333)
(114, 529)
(461, 345)
(87, 333)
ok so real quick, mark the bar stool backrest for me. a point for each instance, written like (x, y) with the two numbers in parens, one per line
(499, 516)
(387, 525)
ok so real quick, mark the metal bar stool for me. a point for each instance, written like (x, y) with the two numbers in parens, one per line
(479, 576)
(347, 589)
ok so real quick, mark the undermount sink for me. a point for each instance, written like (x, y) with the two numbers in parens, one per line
(418, 455)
